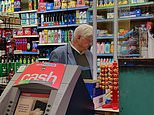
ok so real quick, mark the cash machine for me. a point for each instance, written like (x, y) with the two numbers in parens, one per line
(46, 89)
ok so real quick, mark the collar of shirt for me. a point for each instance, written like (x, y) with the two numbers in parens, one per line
(76, 49)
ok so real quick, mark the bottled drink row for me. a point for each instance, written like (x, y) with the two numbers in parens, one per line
(55, 36)
(64, 18)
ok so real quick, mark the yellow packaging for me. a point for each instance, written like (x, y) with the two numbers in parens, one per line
(72, 4)
(46, 35)
(64, 5)
(77, 17)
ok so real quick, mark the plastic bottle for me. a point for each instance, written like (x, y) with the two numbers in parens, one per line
(9, 6)
(28, 45)
(30, 5)
(6, 6)
(12, 5)
(42, 19)
(56, 36)
(63, 36)
(84, 17)
(59, 36)
(112, 47)
(40, 38)
(66, 37)
(98, 48)
(80, 17)
(77, 17)
(52, 36)
(49, 36)
(3, 6)
(107, 47)
(102, 48)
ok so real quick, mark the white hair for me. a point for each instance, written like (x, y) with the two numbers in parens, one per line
(84, 31)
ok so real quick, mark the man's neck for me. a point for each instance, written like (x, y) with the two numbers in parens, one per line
(76, 47)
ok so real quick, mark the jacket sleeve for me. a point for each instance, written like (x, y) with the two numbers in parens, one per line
(54, 57)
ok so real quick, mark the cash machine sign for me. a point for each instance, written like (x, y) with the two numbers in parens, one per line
(46, 72)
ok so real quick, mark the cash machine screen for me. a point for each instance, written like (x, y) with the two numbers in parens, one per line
(31, 104)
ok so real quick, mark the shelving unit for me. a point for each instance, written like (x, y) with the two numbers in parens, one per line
(57, 26)
(121, 20)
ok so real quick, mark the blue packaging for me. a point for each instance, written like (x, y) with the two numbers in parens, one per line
(33, 21)
(24, 16)
(107, 47)
(33, 15)
(133, 13)
(63, 36)
(49, 6)
(25, 22)
(17, 5)
(34, 31)
(93, 91)
(74, 19)
(69, 19)
(65, 19)
(138, 12)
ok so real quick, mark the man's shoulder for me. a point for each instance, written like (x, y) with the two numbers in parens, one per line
(89, 52)
(61, 48)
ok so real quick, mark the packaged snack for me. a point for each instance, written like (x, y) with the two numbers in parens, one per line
(27, 31)
(34, 31)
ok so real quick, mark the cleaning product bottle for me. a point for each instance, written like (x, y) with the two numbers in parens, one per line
(112, 47)
(56, 36)
(102, 48)
(6, 6)
(12, 5)
(84, 16)
(52, 36)
(49, 36)
(9, 6)
(66, 36)
(107, 47)
(63, 36)
(3, 6)
(59, 36)
(98, 48)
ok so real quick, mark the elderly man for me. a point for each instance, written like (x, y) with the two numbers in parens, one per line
(77, 51)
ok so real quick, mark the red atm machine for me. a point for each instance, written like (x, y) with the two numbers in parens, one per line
(46, 89)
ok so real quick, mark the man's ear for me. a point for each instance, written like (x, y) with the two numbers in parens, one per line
(79, 37)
